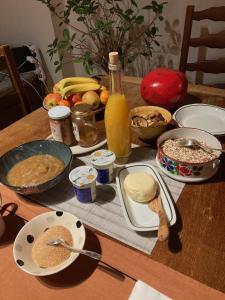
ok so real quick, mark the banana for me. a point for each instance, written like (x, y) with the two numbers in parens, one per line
(72, 81)
(78, 88)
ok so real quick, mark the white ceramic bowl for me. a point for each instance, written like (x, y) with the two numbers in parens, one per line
(202, 116)
(185, 171)
(26, 237)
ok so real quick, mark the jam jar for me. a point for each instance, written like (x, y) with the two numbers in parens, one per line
(85, 130)
(61, 124)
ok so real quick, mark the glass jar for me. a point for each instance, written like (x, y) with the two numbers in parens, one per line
(61, 124)
(85, 130)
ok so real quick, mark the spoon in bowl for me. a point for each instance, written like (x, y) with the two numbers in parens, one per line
(61, 242)
(192, 143)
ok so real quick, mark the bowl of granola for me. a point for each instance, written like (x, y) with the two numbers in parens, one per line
(188, 163)
(149, 121)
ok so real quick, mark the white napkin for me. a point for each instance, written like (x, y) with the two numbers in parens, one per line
(142, 291)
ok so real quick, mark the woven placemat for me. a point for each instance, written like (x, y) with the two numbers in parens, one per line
(106, 214)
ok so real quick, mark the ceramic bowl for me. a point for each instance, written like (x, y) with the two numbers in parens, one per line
(153, 131)
(202, 116)
(28, 234)
(15, 155)
(185, 171)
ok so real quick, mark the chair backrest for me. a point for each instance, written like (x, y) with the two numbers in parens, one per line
(209, 40)
(9, 62)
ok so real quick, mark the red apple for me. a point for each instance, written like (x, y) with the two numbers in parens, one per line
(164, 87)
(76, 98)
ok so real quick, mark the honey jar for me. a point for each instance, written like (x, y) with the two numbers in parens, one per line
(85, 130)
(61, 124)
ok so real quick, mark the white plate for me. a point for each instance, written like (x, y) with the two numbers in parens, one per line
(210, 174)
(138, 215)
(202, 116)
(25, 239)
(77, 149)
(80, 150)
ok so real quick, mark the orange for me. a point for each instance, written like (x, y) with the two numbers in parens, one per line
(104, 96)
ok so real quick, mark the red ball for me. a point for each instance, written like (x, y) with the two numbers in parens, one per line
(164, 87)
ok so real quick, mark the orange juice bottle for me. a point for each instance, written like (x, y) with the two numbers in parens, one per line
(117, 114)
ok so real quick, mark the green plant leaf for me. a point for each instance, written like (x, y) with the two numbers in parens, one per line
(129, 12)
(157, 43)
(66, 34)
(139, 19)
(147, 7)
(80, 19)
(134, 3)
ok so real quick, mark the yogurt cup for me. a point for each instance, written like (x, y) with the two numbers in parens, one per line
(103, 162)
(83, 180)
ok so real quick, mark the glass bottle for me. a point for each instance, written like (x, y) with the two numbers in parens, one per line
(117, 114)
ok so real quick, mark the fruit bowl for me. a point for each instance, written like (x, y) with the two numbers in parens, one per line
(156, 128)
(78, 90)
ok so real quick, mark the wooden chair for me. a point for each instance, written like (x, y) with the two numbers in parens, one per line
(7, 59)
(208, 40)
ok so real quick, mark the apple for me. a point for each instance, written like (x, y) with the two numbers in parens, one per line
(92, 98)
(164, 87)
(75, 98)
(52, 99)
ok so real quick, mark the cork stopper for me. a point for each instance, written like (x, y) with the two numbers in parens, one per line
(113, 60)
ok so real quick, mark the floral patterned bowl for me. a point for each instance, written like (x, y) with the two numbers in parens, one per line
(184, 170)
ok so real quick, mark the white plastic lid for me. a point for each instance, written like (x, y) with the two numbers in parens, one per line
(102, 158)
(83, 176)
(59, 112)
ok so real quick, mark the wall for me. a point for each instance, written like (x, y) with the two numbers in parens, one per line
(28, 21)
(172, 32)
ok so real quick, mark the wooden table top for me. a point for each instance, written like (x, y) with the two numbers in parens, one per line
(191, 265)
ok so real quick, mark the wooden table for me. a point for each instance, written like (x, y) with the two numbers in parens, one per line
(191, 265)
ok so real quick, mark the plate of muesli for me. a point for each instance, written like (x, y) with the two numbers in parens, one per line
(185, 163)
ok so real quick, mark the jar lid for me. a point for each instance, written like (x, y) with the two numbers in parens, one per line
(102, 158)
(59, 112)
(82, 109)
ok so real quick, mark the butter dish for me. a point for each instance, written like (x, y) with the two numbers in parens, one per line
(138, 215)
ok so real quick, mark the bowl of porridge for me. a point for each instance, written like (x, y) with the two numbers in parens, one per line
(148, 122)
(36, 166)
(33, 254)
(188, 162)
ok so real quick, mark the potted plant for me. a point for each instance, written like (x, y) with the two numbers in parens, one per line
(101, 27)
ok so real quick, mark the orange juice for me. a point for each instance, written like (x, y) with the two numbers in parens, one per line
(117, 122)
(117, 114)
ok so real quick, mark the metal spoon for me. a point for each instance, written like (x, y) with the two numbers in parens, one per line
(91, 254)
(194, 143)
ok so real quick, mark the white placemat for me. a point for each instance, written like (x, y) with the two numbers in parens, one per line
(105, 214)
